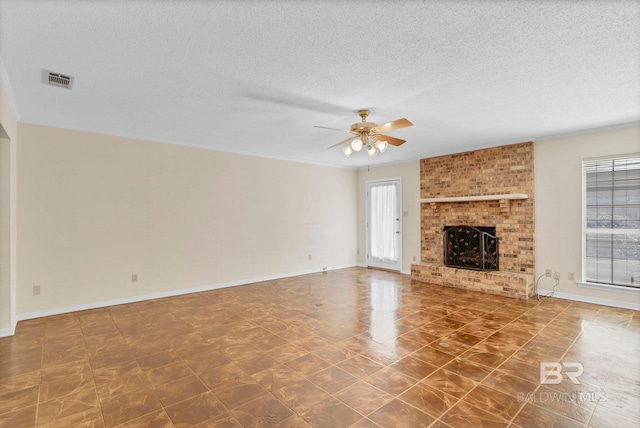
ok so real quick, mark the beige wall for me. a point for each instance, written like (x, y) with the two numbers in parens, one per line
(558, 207)
(95, 209)
(410, 174)
(5, 254)
(8, 141)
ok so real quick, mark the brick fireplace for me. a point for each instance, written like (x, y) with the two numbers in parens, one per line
(490, 187)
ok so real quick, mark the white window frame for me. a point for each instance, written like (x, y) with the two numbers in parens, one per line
(592, 285)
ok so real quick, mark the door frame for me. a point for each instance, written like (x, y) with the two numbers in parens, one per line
(368, 184)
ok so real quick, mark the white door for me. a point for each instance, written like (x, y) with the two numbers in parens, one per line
(384, 224)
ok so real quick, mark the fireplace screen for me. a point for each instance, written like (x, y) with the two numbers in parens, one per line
(469, 247)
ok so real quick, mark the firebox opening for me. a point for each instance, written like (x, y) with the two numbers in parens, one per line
(470, 247)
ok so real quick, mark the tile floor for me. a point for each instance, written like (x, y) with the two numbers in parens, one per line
(353, 347)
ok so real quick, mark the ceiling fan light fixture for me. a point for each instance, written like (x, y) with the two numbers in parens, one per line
(369, 136)
(381, 145)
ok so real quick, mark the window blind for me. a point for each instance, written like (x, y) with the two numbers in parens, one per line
(613, 221)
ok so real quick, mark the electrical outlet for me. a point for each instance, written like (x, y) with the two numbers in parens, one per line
(414, 258)
(36, 290)
(134, 277)
(548, 273)
(571, 276)
(556, 275)
(309, 256)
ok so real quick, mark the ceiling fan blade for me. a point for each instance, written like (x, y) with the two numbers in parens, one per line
(335, 129)
(340, 143)
(390, 140)
(389, 126)
(283, 97)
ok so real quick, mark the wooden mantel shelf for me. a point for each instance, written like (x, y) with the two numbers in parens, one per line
(474, 198)
(504, 200)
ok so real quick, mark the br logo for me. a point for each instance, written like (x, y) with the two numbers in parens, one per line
(551, 373)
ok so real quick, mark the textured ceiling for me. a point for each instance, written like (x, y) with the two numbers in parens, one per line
(255, 76)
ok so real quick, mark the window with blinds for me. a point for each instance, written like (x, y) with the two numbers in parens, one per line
(612, 229)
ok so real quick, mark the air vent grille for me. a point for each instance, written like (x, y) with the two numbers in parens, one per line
(57, 79)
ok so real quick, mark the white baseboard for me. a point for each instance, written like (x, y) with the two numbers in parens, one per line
(9, 331)
(595, 300)
(4, 332)
(403, 272)
(132, 299)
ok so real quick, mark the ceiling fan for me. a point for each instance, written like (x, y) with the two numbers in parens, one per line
(369, 134)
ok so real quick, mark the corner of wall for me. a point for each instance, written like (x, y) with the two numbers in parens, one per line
(559, 210)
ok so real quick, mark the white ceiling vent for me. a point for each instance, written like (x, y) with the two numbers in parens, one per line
(57, 79)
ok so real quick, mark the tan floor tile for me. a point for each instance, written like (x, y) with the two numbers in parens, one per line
(81, 402)
(390, 381)
(25, 417)
(508, 384)
(165, 374)
(604, 417)
(256, 362)
(119, 379)
(129, 406)
(179, 390)
(276, 377)
(23, 381)
(158, 359)
(300, 395)
(578, 406)
(449, 345)
(18, 399)
(331, 413)
(20, 365)
(398, 413)
(432, 356)
(335, 354)
(269, 342)
(156, 419)
(308, 364)
(294, 421)
(69, 384)
(450, 383)
(108, 358)
(360, 366)
(504, 405)
(195, 410)
(429, 400)
(88, 419)
(463, 415)
(287, 352)
(468, 369)
(332, 379)
(519, 369)
(364, 398)
(534, 416)
(313, 345)
(237, 394)
(264, 411)
(218, 377)
(207, 360)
